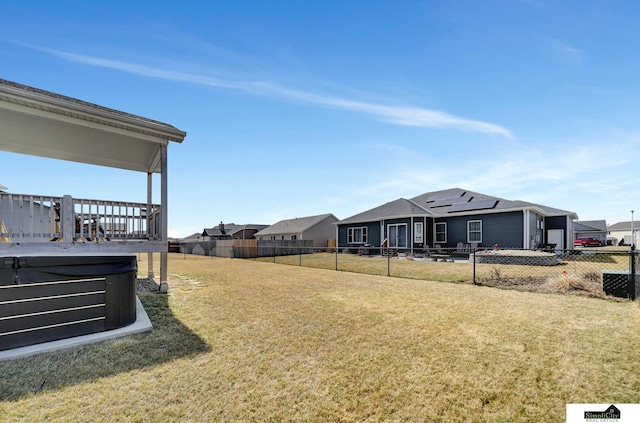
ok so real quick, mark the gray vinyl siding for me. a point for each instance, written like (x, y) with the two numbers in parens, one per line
(373, 233)
(536, 235)
(504, 229)
(321, 232)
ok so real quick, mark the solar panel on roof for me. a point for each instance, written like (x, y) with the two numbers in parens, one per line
(445, 195)
(443, 202)
(449, 201)
(473, 205)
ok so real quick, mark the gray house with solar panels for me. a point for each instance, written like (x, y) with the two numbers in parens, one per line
(454, 217)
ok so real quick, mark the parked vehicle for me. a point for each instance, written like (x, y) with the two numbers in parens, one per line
(587, 242)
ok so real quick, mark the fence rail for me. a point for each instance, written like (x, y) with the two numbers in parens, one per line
(33, 218)
(594, 272)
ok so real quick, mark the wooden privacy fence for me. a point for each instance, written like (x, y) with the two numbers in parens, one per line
(237, 248)
(247, 248)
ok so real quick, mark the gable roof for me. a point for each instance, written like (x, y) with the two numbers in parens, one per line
(296, 225)
(591, 225)
(33, 120)
(394, 209)
(460, 201)
(193, 237)
(623, 226)
(230, 229)
(451, 202)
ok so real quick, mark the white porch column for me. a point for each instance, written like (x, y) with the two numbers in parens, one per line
(164, 221)
(525, 232)
(149, 222)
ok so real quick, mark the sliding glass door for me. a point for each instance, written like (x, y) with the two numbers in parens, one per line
(397, 235)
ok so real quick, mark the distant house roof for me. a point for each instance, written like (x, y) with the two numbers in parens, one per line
(192, 237)
(296, 225)
(229, 229)
(623, 226)
(591, 225)
(451, 202)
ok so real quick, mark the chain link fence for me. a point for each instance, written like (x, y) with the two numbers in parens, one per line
(603, 272)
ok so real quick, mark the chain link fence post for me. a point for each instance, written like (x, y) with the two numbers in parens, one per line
(388, 264)
(631, 284)
(474, 266)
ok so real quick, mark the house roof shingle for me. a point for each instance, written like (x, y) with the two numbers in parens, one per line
(591, 225)
(230, 229)
(623, 226)
(450, 202)
(296, 225)
(394, 209)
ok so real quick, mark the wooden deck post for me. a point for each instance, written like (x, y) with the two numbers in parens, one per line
(150, 216)
(164, 286)
(67, 219)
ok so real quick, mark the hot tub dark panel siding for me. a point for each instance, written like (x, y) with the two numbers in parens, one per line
(49, 298)
(50, 311)
(120, 301)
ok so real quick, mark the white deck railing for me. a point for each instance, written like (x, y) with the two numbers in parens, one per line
(37, 218)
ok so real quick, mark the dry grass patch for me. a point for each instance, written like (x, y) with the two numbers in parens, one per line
(248, 341)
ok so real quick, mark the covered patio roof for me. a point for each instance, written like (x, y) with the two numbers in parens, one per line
(41, 123)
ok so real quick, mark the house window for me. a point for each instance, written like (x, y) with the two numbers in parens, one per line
(357, 235)
(294, 237)
(418, 232)
(397, 235)
(441, 233)
(273, 237)
(474, 231)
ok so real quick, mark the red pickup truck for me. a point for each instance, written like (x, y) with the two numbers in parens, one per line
(587, 242)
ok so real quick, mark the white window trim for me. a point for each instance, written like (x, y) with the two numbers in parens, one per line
(435, 233)
(469, 222)
(350, 235)
(418, 234)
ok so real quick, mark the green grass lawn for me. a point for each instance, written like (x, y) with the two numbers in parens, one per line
(239, 340)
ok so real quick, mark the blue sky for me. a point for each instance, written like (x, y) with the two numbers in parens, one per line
(301, 108)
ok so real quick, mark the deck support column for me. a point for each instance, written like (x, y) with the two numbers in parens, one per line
(164, 208)
(67, 219)
(150, 216)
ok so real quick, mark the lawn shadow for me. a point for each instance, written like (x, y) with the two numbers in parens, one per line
(169, 340)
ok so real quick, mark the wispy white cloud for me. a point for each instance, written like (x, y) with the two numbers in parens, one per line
(394, 114)
(577, 175)
(565, 50)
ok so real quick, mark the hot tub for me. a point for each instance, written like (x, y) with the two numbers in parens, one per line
(49, 297)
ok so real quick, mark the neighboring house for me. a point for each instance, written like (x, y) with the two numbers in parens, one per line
(453, 216)
(620, 233)
(191, 238)
(591, 228)
(319, 228)
(231, 231)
